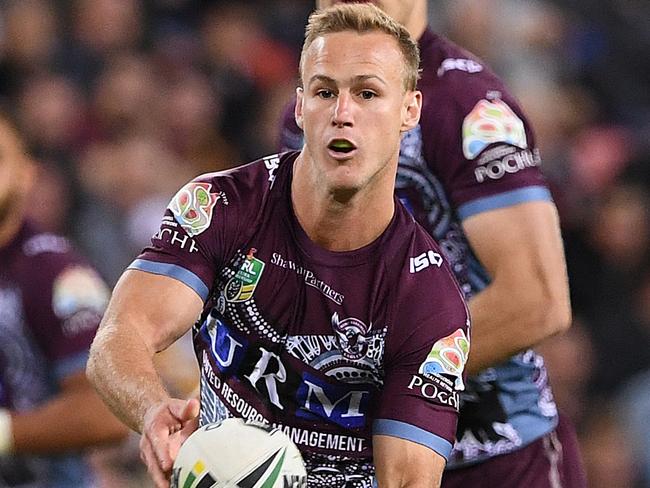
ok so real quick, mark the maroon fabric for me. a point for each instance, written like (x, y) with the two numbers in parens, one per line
(553, 461)
(318, 343)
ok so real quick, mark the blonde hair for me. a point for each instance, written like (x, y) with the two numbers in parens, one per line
(362, 18)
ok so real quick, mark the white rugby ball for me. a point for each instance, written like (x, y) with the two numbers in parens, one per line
(236, 454)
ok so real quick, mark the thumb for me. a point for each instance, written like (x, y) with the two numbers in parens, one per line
(190, 409)
(184, 410)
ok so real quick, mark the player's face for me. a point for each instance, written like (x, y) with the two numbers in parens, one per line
(353, 107)
(14, 170)
(400, 10)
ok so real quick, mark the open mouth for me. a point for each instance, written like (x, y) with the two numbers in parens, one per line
(341, 146)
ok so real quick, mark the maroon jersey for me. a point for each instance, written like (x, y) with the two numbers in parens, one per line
(472, 152)
(51, 303)
(331, 347)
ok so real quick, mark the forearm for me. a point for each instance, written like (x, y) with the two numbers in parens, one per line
(122, 370)
(404, 464)
(70, 421)
(146, 314)
(416, 482)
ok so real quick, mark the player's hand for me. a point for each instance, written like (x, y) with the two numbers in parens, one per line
(166, 426)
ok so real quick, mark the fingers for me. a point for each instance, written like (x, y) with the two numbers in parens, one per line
(166, 426)
(158, 426)
(149, 458)
(192, 413)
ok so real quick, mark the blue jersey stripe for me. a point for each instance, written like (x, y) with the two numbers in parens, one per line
(502, 200)
(395, 428)
(173, 271)
(70, 365)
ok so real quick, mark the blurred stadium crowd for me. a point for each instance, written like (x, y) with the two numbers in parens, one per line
(122, 101)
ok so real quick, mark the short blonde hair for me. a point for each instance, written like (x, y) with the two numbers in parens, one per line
(362, 18)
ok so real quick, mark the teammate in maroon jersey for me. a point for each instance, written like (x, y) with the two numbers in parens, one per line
(469, 173)
(51, 302)
(312, 284)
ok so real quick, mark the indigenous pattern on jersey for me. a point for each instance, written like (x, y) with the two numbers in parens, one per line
(51, 303)
(472, 152)
(332, 347)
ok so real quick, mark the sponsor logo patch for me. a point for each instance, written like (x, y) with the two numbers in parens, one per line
(448, 357)
(334, 402)
(436, 390)
(193, 207)
(46, 243)
(242, 286)
(490, 122)
(272, 163)
(460, 64)
(424, 260)
(78, 288)
(310, 279)
(511, 162)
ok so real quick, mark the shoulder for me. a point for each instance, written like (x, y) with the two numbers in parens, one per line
(455, 70)
(237, 181)
(428, 302)
(457, 84)
(241, 191)
(47, 252)
(474, 134)
(422, 267)
(52, 272)
(259, 175)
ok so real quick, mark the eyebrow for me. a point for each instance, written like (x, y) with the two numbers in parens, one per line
(356, 79)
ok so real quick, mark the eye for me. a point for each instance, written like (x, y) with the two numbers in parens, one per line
(325, 94)
(368, 95)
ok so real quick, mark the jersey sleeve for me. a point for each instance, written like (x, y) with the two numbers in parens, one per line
(192, 239)
(66, 302)
(425, 358)
(291, 137)
(205, 222)
(482, 146)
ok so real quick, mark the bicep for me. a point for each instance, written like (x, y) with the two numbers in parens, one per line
(521, 241)
(399, 462)
(158, 308)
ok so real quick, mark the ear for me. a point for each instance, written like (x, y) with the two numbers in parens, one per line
(411, 109)
(300, 97)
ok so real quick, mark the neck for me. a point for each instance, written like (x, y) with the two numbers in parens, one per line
(340, 220)
(418, 20)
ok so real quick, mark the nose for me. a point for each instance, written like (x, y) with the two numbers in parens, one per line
(343, 110)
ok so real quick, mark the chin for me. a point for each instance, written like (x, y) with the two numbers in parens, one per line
(346, 186)
(343, 193)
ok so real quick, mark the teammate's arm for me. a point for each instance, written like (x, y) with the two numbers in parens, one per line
(528, 299)
(74, 419)
(146, 314)
(401, 463)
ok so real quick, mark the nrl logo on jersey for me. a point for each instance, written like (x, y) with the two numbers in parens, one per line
(242, 286)
(193, 207)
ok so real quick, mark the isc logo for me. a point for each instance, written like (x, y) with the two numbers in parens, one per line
(425, 260)
(272, 163)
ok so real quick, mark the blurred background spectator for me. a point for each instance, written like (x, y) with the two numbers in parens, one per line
(124, 100)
